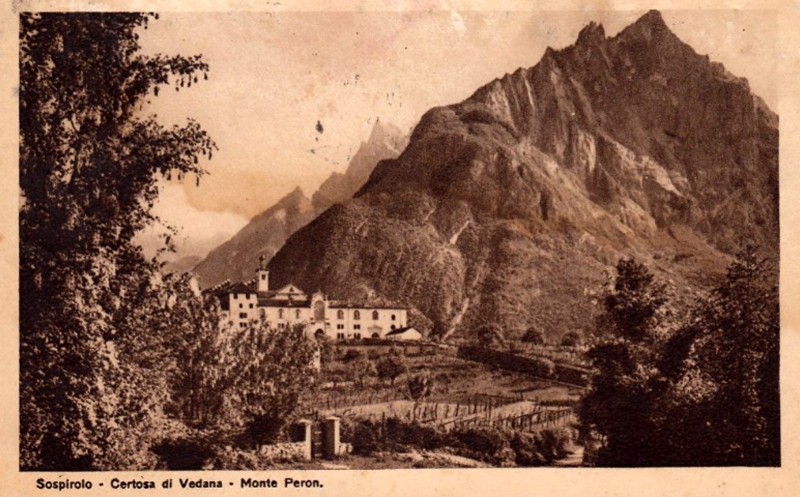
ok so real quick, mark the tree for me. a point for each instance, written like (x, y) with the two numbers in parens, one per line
(570, 339)
(705, 394)
(620, 405)
(267, 370)
(89, 165)
(420, 386)
(534, 336)
(194, 343)
(362, 369)
(390, 366)
(732, 365)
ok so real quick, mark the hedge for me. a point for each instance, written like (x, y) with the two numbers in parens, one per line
(536, 366)
(496, 446)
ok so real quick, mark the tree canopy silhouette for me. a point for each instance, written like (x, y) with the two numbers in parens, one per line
(89, 166)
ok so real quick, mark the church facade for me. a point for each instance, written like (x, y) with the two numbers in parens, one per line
(289, 305)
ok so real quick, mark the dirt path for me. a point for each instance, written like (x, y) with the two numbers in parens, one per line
(573, 460)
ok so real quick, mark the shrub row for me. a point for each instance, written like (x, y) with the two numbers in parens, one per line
(537, 366)
(495, 446)
(573, 374)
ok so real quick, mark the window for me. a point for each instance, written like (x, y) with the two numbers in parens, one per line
(280, 313)
(242, 315)
(251, 306)
(393, 326)
(339, 326)
(242, 325)
(393, 317)
(340, 314)
(235, 295)
(263, 276)
(356, 326)
(241, 306)
(357, 315)
(375, 315)
(297, 314)
(357, 336)
(340, 336)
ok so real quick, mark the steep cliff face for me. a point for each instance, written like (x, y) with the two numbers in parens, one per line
(266, 233)
(509, 206)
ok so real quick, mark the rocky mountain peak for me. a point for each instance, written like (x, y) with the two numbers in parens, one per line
(507, 207)
(383, 131)
(267, 232)
(592, 32)
(649, 28)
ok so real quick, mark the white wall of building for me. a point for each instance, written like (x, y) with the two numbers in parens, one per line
(243, 307)
(354, 322)
(338, 323)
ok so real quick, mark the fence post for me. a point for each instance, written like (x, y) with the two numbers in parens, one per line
(330, 437)
(307, 442)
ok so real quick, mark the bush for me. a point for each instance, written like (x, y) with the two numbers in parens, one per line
(554, 443)
(414, 435)
(526, 450)
(184, 454)
(353, 355)
(541, 448)
(489, 445)
(366, 438)
(571, 339)
(543, 367)
(533, 336)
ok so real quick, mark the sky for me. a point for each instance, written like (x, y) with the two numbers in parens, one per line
(275, 75)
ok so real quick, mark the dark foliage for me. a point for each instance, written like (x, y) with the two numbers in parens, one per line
(88, 169)
(391, 366)
(534, 336)
(536, 366)
(699, 394)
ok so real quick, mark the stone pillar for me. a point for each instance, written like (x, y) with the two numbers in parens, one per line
(307, 442)
(330, 437)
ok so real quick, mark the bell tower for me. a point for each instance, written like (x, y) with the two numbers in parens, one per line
(262, 275)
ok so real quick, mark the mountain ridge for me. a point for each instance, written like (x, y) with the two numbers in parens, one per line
(508, 207)
(265, 234)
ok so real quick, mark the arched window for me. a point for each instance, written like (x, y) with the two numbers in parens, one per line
(357, 315)
(375, 315)
(280, 313)
(340, 314)
(297, 314)
(393, 317)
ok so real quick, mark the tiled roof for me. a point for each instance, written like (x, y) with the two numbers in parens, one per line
(399, 331)
(240, 288)
(268, 298)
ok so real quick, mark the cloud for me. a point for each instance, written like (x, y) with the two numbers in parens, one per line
(199, 231)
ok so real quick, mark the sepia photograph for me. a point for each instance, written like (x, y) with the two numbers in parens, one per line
(309, 240)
